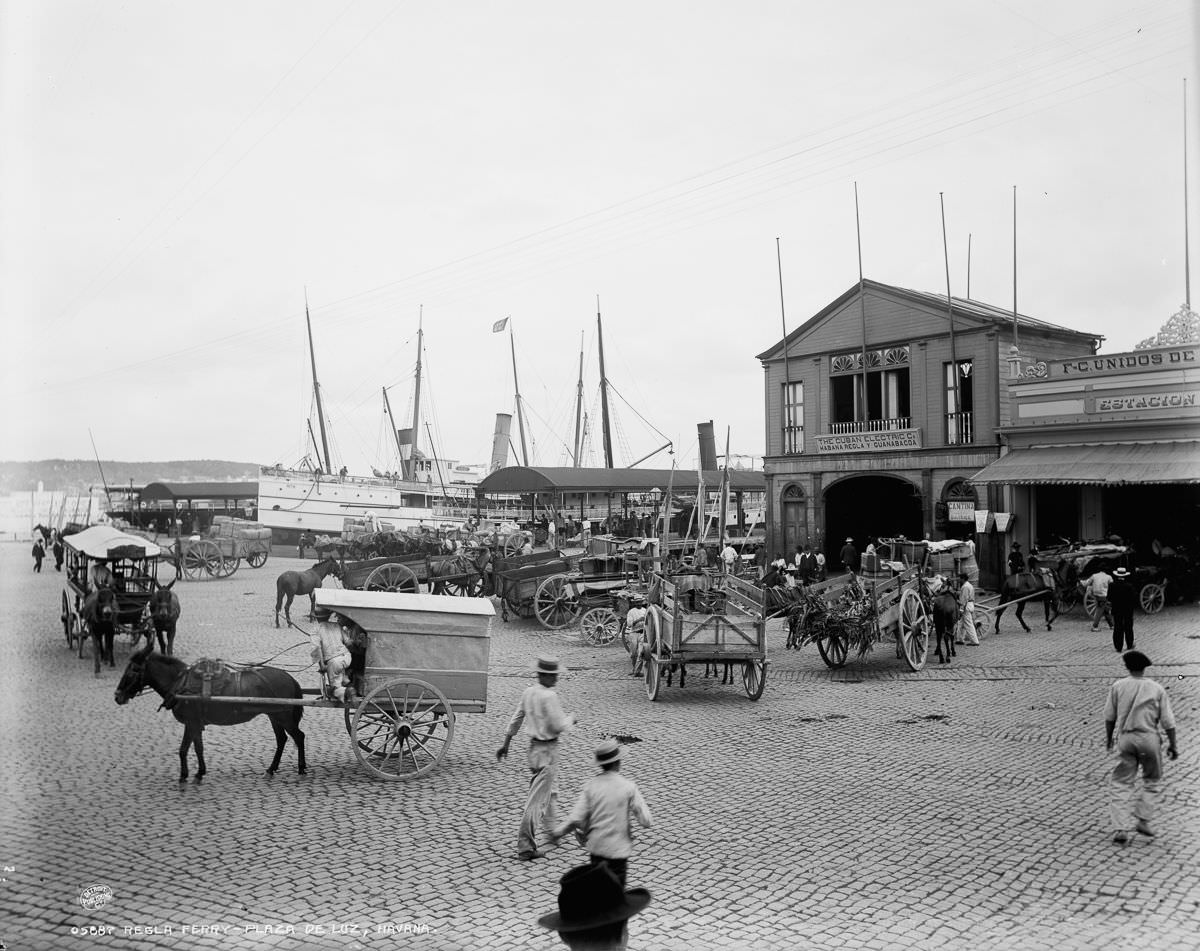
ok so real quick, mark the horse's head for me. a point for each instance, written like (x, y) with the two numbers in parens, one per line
(163, 605)
(133, 681)
(328, 566)
(105, 605)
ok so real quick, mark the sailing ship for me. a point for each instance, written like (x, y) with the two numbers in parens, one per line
(426, 492)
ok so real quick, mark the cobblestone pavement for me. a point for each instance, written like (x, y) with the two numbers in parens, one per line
(959, 807)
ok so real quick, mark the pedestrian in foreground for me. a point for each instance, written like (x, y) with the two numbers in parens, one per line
(1135, 711)
(547, 722)
(1098, 584)
(605, 811)
(594, 909)
(1121, 598)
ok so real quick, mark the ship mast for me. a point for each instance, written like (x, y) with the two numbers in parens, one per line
(517, 389)
(416, 420)
(387, 405)
(608, 453)
(317, 388)
(579, 408)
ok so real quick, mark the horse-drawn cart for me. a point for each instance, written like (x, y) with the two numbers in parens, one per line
(421, 660)
(848, 612)
(125, 564)
(722, 621)
(518, 581)
(456, 574)
(610, 565)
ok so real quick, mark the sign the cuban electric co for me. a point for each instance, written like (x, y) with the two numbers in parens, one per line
(869, 442)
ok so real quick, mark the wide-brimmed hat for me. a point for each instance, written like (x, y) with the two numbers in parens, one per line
(1135, 660)
(548, 665)
(1121, 573)
(591, 896)
(608, 752)
(849, 540)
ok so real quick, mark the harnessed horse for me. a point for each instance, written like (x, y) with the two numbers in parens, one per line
(99, 614)
(292, 583)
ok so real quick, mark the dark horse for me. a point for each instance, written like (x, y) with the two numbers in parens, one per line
(99, 614)
(164, 614)
(468, 571)
(945, 614)
(292, 583)
(166, 675)
(1029, 586)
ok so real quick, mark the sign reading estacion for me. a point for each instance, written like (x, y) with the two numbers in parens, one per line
(870, 442)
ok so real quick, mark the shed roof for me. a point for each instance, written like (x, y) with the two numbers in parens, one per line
(1146, 463)
(527, 479)
(186, 491)
(982, 314)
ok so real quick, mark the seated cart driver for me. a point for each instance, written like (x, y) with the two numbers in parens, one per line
(338, 648)
(100, 576)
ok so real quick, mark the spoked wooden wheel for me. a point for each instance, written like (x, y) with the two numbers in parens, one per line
(194, 566)
(256, 558)
(467, 585)
(832, 645)
(600, 626)
(914, 629)
(402, 729)
(653, 677)
(649, 656)
(754, 678)
(1089, 604)
(514, 542)
(555, 604)
(394, 577)
(229, 565)
(70, 621)
(1152, 597)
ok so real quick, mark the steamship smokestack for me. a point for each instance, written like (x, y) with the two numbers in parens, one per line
(500, 440)
(708, 446)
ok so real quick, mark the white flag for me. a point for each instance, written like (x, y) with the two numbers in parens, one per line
(499, 325)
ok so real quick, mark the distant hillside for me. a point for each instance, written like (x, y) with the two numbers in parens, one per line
(75, 475)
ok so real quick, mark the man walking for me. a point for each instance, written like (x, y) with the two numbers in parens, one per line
(547, 722)
(604, 813)
(39, 552)
(59, 551)
(849, 556)
(1135, 711)
(1121, 598)
(1098, 585)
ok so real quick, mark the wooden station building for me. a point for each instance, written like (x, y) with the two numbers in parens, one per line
(880, 409)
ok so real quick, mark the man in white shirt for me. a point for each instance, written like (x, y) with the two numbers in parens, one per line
(1135, 711)
(729, 556)
(605, 811)
(1098, 585)
(967, 632)
(540, 706)
(551, 534)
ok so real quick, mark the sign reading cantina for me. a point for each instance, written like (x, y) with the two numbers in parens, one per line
(870, 442)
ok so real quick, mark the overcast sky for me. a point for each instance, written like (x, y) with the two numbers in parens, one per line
(176, 177)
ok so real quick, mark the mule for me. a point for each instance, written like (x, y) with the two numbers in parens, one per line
(166, 675)
(945, 615)
(99, 616)
(469, 574)
(1025, 587)
(292, 583)
(164, 611)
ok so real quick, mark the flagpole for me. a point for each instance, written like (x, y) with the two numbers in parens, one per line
(787, 375)
(950, 308)
(1187, 265)
(862, 304)
(517, 388)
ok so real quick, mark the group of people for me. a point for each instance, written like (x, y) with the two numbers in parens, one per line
(55, 545)
(594, 905)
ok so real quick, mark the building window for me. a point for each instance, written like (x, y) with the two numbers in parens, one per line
(793, 417)
(960, 402)
(886, 406)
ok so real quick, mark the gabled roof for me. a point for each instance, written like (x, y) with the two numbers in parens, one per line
(527, 479)
(982, 314)
(184, 491)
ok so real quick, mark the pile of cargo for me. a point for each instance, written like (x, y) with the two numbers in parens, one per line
(225, 526)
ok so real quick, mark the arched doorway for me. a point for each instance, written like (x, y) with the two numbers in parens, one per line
(962, 492)
(871, 506)
(795, 520)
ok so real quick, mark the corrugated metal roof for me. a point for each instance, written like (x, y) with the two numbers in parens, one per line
(171, 491)
(1097, 464)
(524, 480)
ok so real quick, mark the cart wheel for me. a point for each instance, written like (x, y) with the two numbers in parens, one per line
(914, 629)
(554, 604)
(466, 586)
(256, 559)
(833, 645)
(402, 729)
(193, 564)
(514, 542)
(1089, 604)
(395, 577)
(754, 678)
(69, 621)
(653, 677)
(600, 626)
(1152, 597)
(229, 565)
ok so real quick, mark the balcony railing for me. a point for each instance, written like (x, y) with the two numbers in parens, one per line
(960, 429)
(871, 426)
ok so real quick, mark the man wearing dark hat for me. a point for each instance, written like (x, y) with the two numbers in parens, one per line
(849, 556)
(1121, 599)
(1135, 711)
(594, 909)
(539, 704)
(605, 810)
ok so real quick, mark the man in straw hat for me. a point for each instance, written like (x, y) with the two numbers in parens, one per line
(1135, 711)
(605, 810)
(1122, 597)
(594, 909)
(547, 722)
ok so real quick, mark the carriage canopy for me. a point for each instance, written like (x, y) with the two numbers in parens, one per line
(103, 543)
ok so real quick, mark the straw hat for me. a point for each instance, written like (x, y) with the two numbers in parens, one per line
(608, 752)
(548, 665)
